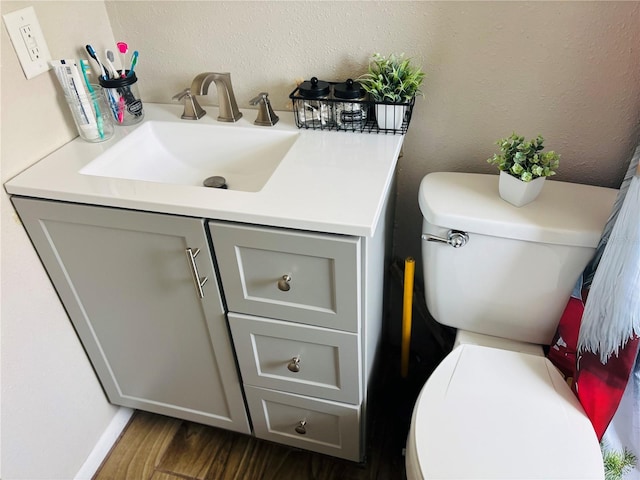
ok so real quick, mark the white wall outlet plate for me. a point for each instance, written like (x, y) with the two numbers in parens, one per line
(28, 41)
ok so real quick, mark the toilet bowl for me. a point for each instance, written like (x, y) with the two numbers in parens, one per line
(498, 414)
(495, 407)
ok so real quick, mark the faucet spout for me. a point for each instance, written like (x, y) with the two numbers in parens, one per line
(228, 107)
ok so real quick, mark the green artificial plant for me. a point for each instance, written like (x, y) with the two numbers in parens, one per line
(617, 464)
(525, 159)
(392, 78)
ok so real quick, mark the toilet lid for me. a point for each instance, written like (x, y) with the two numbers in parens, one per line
(490, 413)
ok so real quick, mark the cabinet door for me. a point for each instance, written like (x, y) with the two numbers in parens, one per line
(302, 277)
(128, 285)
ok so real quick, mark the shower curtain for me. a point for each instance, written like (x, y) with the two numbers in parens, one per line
(598, 339)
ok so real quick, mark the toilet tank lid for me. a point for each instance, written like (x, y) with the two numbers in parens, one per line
(564, 214)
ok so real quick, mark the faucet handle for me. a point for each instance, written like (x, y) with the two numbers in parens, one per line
(192, 109)
(266, 116)
(180, 95)
(261, 97)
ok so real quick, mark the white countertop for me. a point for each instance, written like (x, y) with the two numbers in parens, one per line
(329, 181)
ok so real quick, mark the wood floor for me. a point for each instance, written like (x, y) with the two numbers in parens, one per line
(154, 447)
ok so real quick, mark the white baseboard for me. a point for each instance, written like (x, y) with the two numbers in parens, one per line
(104, 445)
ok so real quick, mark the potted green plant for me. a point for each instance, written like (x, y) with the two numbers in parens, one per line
(523, 168)
(390, 80)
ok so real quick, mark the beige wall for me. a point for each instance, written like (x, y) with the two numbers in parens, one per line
(53, 408)
(567, 70)
(570, 71)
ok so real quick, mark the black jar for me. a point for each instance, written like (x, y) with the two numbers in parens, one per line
(311, 107)
(350, 107)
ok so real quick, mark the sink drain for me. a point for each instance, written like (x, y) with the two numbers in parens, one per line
(215, 182)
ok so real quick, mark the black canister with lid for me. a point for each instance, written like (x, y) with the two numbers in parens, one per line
(123, 98)
(350, 108)
(313, 109)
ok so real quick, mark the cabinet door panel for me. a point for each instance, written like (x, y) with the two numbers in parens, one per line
(327, 363)
(323, 286)
(126, 282)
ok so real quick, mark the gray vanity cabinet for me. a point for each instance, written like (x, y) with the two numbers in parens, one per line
(296, 303)
(303, 310)
(131, 284)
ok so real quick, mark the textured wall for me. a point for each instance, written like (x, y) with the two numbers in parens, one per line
(567, 70)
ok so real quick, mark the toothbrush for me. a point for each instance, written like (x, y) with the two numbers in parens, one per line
(123, 48)
(92, 53)
(121, 105)
(111, 57)
(113, 102)
(134, 61)
(84, 67)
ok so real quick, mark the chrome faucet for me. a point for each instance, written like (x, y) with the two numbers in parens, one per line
(228, 108)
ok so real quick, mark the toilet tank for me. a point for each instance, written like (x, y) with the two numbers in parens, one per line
(514, 276)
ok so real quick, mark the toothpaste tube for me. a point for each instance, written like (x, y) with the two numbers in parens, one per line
(78, 99)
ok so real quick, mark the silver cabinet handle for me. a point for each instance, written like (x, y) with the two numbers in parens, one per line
(455, 238)
(301, 427)
(284, 283)
(191, 258)
(294, 365)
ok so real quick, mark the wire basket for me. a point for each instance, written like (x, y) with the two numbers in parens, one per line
(364, 116)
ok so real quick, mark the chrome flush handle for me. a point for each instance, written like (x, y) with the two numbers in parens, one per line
(455, 238)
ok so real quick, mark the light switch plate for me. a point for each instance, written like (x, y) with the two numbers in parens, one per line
(28, 41)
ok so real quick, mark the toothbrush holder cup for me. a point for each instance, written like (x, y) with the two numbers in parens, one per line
(91, 115)
(121, 94)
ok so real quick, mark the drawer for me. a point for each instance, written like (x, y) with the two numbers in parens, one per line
(318, 425)
(322, 273)
(297, 358)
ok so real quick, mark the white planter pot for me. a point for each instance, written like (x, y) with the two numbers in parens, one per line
(517, 192)
(390, 117)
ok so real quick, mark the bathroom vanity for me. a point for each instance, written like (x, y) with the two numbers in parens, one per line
(256, 310)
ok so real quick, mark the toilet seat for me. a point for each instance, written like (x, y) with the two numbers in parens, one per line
(497, 414)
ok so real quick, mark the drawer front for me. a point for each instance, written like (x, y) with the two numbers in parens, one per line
(321, 426)
(301, 277)
(297, 358)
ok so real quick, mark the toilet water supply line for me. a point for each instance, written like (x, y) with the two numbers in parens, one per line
(407, 308)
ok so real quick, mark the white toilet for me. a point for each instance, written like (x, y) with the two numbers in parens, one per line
(496, 408)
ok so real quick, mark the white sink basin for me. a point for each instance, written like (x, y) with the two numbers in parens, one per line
(188, 153)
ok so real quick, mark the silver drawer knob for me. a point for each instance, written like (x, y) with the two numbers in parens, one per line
(294, 365)
(283, 283)
(301, 428)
